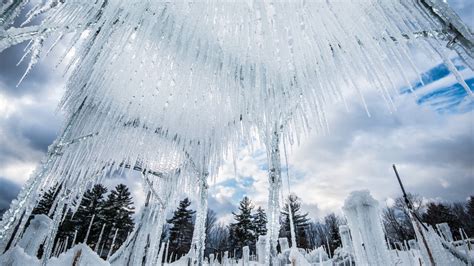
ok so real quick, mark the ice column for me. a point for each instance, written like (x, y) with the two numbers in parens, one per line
(274, 179)
(246, 255)
(345, 238)
(261, 249)
(283, 244)
(363, 219)
(35, 234)
(199, 233)
(445, 231)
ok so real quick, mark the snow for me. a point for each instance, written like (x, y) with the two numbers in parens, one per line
(81, 254)
(296, 258)
(17, 256)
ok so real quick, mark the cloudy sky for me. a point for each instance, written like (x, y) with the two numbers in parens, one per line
(429, 137)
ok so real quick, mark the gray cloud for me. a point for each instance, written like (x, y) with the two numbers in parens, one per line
(11, 74)
(8, 191)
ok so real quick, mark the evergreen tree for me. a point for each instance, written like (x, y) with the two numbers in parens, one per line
(46, 201)
(66, 227)
(181, 232)
(439, 213)
(300, 222)
(260, 222)
(470, 207)
(92, 204)
(470, 213)
(117, 214)
(242, 231)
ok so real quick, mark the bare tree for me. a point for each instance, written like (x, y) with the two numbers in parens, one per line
(397, 221)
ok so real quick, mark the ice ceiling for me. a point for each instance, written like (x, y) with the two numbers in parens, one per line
(169, 88)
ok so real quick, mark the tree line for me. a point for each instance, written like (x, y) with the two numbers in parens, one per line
(109, 217)
(458, 215)
(249, 222)
(102, 219)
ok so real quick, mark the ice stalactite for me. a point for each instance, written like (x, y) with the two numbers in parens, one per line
(166, 258)
(275, 182)
(58, 215)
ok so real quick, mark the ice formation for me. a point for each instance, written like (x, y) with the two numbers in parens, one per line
(170, 88)
(346, 238)
(35, 234)
(363, 219)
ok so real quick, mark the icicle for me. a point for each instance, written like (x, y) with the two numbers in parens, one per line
(66, 246)
(96, 249)
(161, 254)
(292, 226)
(274, 176)
(112, 245)
(166, 259)
(290, 211)
(89, 229)
(74, 238)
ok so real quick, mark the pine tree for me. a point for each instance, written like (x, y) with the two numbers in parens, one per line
(46, 201)
(92, 204)
(439, 213)
(181, 232)
(300, 222)
(470, 213)
(117, 215)
(242, 231)
(260, 222)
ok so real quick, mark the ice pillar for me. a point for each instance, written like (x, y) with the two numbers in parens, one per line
(199, 233)
(35, 234)
(246, 255)
(261, 249)
(363, 219)
(274, 179)
(345, 238)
